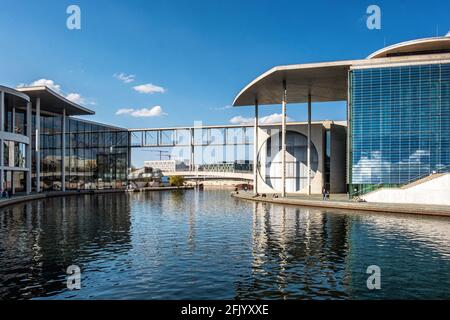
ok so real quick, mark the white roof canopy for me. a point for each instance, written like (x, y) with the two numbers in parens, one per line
(327, 81)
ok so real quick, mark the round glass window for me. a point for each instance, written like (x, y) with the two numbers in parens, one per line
(269, 161)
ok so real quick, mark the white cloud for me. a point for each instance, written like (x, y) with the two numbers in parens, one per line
(43, 82)
(222, 108)
(124, 111)
(149, 88)
(270, 119)
(125, 78)
(74, 97)
(241, 120)
(156, 111)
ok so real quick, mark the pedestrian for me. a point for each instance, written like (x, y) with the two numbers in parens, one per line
(324, 194)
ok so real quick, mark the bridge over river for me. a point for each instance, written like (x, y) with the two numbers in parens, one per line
(244, 176)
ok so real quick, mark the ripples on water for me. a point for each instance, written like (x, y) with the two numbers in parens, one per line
(207, 245)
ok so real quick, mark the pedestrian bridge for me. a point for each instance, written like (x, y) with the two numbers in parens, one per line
(211, 175)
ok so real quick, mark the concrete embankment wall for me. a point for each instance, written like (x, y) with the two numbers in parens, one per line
(434, 192)
(430, 210)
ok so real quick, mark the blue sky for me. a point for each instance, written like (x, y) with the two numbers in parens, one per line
(197, 55)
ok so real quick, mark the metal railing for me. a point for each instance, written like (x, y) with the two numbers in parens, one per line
(226, 167)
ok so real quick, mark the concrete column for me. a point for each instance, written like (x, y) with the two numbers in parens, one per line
(2, 111)
(38, 147)
(13, 187)
(29, 148)
(10, 154)
(283, 140)
(13, 117)
(129, 154)
(2, 128)
(309, 145)
(63, 151)
(2, 172)
(255, 149)
(192, 150)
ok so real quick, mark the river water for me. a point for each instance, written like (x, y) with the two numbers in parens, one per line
(206, 245)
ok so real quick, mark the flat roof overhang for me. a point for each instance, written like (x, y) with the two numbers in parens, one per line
(15, 94)
(325, 81)
(53, 102)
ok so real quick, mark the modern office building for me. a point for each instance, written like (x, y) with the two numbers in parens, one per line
(398, 113)
(44, 147)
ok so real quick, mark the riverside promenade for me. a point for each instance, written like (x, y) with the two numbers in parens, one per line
(341, 202)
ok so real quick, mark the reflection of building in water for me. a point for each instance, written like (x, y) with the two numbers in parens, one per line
(423, 231)
(296, 253)
(412, 252)
(39, 240)
(308, 253)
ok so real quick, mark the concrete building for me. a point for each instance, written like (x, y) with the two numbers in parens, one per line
(328, 143)
(398, 114)
(44, 147)
(166, 165)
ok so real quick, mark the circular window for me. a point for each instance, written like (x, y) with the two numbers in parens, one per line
(269, 161)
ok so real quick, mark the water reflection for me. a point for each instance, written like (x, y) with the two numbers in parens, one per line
(39, 240)
(297, 253)
(207, 245)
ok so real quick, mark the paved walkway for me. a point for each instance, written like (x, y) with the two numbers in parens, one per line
(343, 203)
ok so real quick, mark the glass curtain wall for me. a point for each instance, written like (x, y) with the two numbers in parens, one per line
(96, 156)
(14, 153)
(400, 124)
(15, 115)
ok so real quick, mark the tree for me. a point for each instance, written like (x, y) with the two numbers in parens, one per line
(176, 181)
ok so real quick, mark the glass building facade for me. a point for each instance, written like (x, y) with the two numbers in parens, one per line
(14, 108)
(96, 155)
(43, 147)
(399, 124)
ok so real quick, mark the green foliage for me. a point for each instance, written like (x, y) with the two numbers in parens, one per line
(176, 181)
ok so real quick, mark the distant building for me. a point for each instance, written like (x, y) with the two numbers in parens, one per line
(166, 165)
